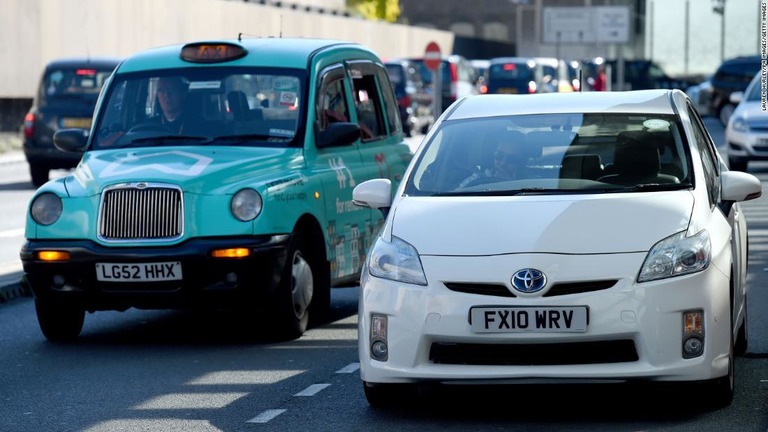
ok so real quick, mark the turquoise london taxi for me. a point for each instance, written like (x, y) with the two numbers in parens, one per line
(217, 174)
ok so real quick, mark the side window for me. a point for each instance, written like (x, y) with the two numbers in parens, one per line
(708, 156)
(390, 103)
(367, 99)
(331, 105)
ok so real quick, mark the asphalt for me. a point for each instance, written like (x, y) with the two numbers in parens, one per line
(11, 273)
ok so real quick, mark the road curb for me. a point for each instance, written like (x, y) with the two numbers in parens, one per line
(13, 291)
(10, 282)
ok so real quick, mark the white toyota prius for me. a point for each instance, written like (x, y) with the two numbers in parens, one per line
(558, 238)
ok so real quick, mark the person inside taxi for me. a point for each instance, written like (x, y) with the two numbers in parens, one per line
(509, 162)
(171, 95)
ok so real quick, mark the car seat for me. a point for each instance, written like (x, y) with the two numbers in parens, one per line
(636, 161)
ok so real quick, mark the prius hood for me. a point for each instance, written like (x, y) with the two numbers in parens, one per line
(195, 169)
(605, 223)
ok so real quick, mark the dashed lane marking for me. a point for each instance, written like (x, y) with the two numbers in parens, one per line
(312, 390)
(266, 416)
(350, 368)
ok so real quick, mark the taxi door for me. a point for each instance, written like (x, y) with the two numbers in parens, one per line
(340, 169)
(383, 149)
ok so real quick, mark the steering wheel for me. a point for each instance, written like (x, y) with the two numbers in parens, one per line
(481, 180)
(148, 127)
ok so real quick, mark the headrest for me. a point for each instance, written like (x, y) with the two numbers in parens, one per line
(635, 156)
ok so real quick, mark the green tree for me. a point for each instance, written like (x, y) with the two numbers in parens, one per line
(386, 10)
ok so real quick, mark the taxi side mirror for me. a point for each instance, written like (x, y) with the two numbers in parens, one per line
(338, 134)
(71, 140)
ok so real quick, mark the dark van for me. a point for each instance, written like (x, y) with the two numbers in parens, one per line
(511, 75)
(66, 98)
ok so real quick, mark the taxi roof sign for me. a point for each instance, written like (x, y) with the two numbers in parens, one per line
(212, 52)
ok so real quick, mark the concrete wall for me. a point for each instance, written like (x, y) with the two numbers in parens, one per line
(33, 32)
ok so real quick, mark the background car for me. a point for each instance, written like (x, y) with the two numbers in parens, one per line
(525, 75)
(413, 98)
(732, 75)
(550, 270)
(457, 76)
(700, 95)
(639, 74)
(511, 75)
(555, 75)
(746, 135)
(66, 97)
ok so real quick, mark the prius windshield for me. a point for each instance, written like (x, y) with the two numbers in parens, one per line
(202, 106)
(553, 154)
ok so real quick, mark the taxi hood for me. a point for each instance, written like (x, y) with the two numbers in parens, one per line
(195, 169)
(605, 223)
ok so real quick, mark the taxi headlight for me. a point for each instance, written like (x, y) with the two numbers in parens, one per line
(46, 208)
(397, 261)
(246, 205)
(677, 255)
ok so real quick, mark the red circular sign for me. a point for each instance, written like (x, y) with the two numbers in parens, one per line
(432, 56)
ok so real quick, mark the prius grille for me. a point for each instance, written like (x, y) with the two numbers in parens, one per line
(141, 211)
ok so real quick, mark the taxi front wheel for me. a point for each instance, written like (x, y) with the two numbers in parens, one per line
(294, 294)
(59, 322)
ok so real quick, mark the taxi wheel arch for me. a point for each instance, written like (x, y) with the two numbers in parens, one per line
(59, 322)
(303, 283)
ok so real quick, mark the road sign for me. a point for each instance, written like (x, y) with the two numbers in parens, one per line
(598, 24)
(432, 56)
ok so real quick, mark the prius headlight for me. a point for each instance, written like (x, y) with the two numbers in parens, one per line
(677, 255)
(396, 260)
(246, 205)
(46, 208)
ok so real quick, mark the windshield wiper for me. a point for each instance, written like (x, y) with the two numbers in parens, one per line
(249, 137)
(650, 187)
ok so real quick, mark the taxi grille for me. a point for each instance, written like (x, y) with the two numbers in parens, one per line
(141, 211)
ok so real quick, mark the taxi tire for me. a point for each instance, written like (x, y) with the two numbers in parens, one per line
(59, 322)
(291, 303)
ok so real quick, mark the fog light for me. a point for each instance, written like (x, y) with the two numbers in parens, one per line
(692, 347)
(58, 281)
(379, 349)
(231, 278)
(693, 333)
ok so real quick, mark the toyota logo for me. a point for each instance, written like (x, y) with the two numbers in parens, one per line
(529, 280)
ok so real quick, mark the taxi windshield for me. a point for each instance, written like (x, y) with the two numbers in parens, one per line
(553, 154)
(202, 106)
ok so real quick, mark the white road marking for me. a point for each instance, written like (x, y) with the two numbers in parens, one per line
(12, 233)
(350, 368)
(312, 390)
(266, 416)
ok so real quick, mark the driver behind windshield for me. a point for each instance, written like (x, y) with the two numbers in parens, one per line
(171, 95)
